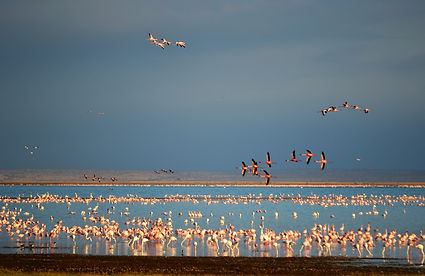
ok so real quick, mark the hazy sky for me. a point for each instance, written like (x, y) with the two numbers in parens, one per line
(252, 79)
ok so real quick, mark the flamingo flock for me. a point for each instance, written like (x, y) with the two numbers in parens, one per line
(344, 106)
(138, 233)
(255, 169)
(164, 42)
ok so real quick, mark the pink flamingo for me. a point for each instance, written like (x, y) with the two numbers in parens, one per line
(323, 161)
(268, 162)
(308, 155)
(254, 167)
(267, 176)
(293, 158)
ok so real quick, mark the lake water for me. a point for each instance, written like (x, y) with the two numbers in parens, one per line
(221, 207)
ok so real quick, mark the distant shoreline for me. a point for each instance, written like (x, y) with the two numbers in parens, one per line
(216, 183)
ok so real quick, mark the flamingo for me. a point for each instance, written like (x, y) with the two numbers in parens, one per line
(244, 168)
(180, 43)
(151, 38)
(254, 167)
(366, 110)
(323, 161)
(267, 176)
(159, 44)
(346, 105)
(268, 162)
(356, 107)
(308, 155)
(293, 158)
(164, 41)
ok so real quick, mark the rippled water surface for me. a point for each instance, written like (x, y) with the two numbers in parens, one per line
(265, 209)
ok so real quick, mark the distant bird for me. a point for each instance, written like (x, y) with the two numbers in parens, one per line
(268, 162)
(324, 111)
(151, 38)
(113, 178)
(366, 110)
(171, 171)
(164, 41)
(26, 147)
(308, 155)
(293, 158)
(346, 105)
(85, 176)
(356, 107)
(180, 43)
(322, 162)
(159, 44)
(358, 159)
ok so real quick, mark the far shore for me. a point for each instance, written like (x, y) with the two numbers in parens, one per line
(216, 183)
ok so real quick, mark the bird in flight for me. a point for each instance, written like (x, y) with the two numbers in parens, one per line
(268, 162)
(323, 161)
(293, 158)
(180, 43)
(267, 176)
(308, 155)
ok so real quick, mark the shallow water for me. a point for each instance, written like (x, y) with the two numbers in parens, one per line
(272, 207)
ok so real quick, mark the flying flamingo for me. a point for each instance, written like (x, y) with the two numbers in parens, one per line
(293, 158)
(267, 176)
(151, 38)
(180, 43)
(159, 44)
(346, 105)
(308, 155)
(254, 166)
(268, 162)
(323, 161)
(244, 168)
(164, 41)
(366, 110)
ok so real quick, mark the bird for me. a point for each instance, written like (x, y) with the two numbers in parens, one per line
(254, 167)
(308, 155)
(180, 43)
(151, 38)
(164, 41)
(323, 161)
(267, 176)
(159, 44)
(293, 158)
(268, 161)
(346, 105)
(244, 168)
(366, 110)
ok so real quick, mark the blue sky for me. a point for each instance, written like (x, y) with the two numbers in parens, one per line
(252, 79)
